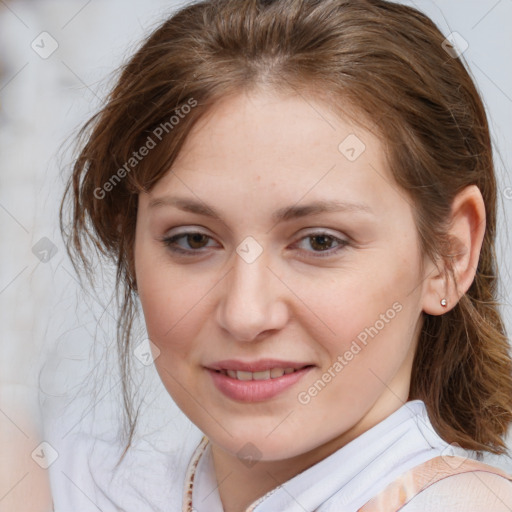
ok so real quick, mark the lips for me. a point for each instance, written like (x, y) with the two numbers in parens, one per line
(260, 365)
(255, 390)
(273, 373)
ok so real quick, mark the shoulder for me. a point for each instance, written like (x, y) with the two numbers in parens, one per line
(475, 491)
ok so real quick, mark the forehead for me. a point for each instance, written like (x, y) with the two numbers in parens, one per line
(269, 126)
(272, 147)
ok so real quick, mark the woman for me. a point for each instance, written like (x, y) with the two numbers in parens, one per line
(301, 194)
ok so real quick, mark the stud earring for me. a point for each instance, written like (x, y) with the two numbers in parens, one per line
(444, 303)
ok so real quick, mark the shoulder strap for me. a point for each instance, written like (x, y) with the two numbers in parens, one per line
(417, 479)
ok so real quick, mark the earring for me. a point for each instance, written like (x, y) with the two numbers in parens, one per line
(444, 303)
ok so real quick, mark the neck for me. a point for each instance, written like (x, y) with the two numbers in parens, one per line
(240, 483)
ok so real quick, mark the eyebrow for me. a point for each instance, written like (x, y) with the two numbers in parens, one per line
(286, 213)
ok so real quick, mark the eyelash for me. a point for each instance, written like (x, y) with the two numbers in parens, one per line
(170, 241)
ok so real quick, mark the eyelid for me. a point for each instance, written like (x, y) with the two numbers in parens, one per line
(342, 242)
(312, 231)
(322, 231)
(169, 238)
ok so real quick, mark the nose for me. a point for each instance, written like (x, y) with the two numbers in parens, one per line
(252, 301)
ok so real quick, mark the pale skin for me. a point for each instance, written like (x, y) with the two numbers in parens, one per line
(252, 155)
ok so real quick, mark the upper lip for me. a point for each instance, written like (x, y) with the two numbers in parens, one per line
(255, 366)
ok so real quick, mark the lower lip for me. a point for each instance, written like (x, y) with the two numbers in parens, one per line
(255, 390)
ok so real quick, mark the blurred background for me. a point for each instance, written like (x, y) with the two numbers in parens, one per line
(58, 372)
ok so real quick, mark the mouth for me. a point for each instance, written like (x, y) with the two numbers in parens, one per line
(272, 373)
(257, 386)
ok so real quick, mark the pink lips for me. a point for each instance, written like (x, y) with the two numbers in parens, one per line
(255, 366)
(256, 390)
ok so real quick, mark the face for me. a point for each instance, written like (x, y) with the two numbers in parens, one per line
(279, 234)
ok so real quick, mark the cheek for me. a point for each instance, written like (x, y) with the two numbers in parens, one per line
(373, 317)
(170, 316)
(165, 300)
(368, 313)
(172, 325)
(175, 301)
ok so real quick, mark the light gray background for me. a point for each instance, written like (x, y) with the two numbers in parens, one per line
(49, 325)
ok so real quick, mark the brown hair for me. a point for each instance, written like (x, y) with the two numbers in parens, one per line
(386, 60)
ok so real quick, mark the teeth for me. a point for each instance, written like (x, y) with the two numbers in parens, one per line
(276, 372)
(273, 373)
(261, 375)
(243, 375)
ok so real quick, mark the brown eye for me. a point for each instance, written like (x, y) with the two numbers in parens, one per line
(194, 242)
(197, 240)
(321, 242)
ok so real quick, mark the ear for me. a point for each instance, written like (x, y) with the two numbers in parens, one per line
(466, 232)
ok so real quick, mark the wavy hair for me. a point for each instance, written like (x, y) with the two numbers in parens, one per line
(389, 63)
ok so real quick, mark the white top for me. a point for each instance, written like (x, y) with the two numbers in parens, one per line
(348, 478)
(152, 477)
